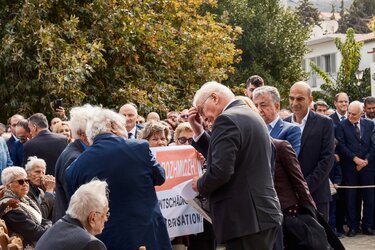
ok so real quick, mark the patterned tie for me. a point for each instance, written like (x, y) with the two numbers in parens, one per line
(342, 118)
(269, 127)
(357, 132)
(130, 135)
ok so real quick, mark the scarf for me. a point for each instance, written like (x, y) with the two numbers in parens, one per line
(26, 205)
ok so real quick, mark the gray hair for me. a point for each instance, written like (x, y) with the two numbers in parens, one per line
(103, 122)
(211, 87)
(10, 173)
(39, 120)
(153, 127)
(89, 197)
(357, 104)
(275, 95)
(32, 160)
(79, 116)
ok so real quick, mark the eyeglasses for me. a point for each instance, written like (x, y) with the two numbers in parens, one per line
(106, 214)
(22, 181)
(183, 140)
(184, 116)
(200, 107)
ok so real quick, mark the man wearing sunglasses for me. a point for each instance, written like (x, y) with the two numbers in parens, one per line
(245, 209)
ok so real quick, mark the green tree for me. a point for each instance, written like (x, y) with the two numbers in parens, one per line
(272, 42)
(345, 80)
(357, 17)
(154, 53)
(308, 14)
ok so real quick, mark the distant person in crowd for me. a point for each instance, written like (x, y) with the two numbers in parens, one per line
(321, 107)
(341, 103)
(131, 172)
(12, 123)
(330, 112)
(64, 129)
(54, 122)
(238, 154)
(129, 111)
(356, 151)
(23, 135)
(317, 145)
(369, 108)
(44, 144)
(267, 100)
(284, 113)
(5, 159)
(24, 219)
(252, 83)
(312, 106)
(41, 186)
(140, 120)
(3, 129)
(184, 115)
(248, 102)
(156, 133)
(183, 134)
(79, 117)
(153, 116)
(86, 215)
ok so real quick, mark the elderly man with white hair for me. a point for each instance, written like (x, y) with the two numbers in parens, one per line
(22, 215)
(131, 171)
(79, 117)
(87, 212)
(41, 185)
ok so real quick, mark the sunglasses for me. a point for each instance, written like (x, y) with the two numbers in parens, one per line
(183, 140)
(22, 181)
(184, 116)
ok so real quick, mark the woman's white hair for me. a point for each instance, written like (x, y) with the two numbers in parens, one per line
(10, 173)
(32, 160)
(209, 88)
(90, 197)
(103, 122)
(79, 116)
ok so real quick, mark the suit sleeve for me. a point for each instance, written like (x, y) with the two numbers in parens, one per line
(292, 168)
(294, 138)
(326, 159)
(224, 143)
(158, 172)
(95, 245)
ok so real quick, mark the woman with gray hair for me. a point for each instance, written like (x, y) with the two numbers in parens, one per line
(87, 212)
(25, 219)
(156, 133)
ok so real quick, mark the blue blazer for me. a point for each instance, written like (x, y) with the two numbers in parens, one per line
(350, 145)
(289, 132)
(131, 172)
(316, 156)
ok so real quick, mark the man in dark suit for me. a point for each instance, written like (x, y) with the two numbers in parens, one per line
(79, 116)
(87, 212)
(369, 108)
(131, 172)
(245, 210)
(44, 144)
(356, 150)
(267, 100)
(341, 103)
(317, 145)
(10, 142)
(130, 112)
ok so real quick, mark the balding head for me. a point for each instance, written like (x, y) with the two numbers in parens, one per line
(153, 116)
(355, 111)
(299, 100)
(130, 112)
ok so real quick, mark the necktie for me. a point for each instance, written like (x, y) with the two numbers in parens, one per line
(130, 135)
(342, 118)
(357, 132)
(269, 127)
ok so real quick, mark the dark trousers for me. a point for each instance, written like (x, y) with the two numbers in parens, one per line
(332, 212)
(340, 210)
(323, 208)
(352, 195)
(263, 240)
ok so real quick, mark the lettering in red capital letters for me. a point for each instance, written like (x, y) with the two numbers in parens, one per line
(180, 168)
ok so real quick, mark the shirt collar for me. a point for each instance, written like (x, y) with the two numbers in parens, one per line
(303, 120)
(273, 123)
(346, 115)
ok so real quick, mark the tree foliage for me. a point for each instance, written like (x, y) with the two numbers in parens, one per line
(154, 53)
(345, 80)
(308, 14)
(272, 42)
(357, 17)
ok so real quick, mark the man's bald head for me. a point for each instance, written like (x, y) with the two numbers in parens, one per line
(355, 111)
(130, 112)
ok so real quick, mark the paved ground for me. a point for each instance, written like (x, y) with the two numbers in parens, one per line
(359, 242)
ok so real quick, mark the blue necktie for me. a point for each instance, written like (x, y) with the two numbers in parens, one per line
(269, 127)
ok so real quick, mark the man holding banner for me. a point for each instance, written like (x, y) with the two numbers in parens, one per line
(244, 206)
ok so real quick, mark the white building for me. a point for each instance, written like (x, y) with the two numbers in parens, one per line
(324, 53)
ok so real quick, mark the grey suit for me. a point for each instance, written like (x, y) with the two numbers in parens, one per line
(68, 233)
(238, 180)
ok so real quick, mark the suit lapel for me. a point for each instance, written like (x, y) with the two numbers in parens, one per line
(277, 129)
(308, 128)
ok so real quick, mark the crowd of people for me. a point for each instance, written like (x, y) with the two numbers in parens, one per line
(86, 179)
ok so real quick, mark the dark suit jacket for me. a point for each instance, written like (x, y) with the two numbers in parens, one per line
(287, 131)
(10, 144)
(351, 146)
(238, 179)
(71, 152)
(68, 233)
(290, 184)
(317, 155)
(43, 200)
(45, 145)
(131, 172)
(17, 154)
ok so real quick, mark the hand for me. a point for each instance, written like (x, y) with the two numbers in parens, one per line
(359, 162)
(337, 158)
(60, 111)
(194, 184)
(195, 121)
(49, 183)
(200, 157)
